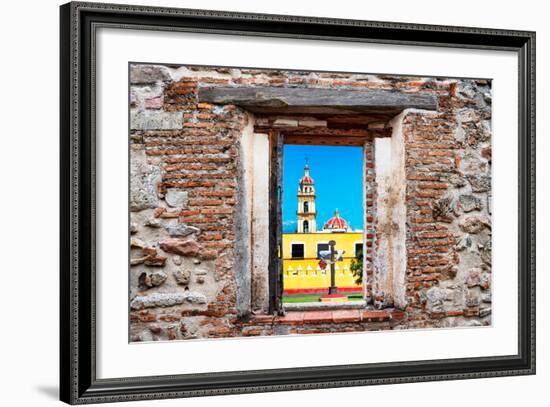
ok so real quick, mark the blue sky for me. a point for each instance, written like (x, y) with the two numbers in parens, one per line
(337, 173)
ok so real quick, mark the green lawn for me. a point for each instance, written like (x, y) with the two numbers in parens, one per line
(292, 299)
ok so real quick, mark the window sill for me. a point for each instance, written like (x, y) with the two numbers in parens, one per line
(325, 317)
(328, 306)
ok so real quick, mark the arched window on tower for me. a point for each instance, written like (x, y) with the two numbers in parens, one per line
(306, 207)
(306, 226)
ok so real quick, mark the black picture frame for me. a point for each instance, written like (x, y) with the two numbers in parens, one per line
(78, 382)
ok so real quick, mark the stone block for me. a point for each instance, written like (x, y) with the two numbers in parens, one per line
(486, 252)
(181, 230)
(182, 276)
(143, 183)
(154, 279)
(483, 312)
(166, 300)
(435, 299)
(474, 224)
(470, 203)
(149, 74)
(473, 164)
(176, 198)
(479, 183)
(474, 277)
(181, 247)
(155, 120)
(154, 103)
(473, 298)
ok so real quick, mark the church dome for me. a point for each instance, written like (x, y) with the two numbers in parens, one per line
(336, 223)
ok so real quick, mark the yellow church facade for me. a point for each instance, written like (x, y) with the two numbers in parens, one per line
(302, 271)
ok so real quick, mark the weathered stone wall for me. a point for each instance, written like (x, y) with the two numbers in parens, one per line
(187, 205)
(188, 154)
(369, 222)
(448, 161)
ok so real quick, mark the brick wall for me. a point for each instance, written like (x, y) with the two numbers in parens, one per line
(448, 160)
(186, 171)
(369, 224)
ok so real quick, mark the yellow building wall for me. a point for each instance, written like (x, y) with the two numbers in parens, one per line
(301, 275)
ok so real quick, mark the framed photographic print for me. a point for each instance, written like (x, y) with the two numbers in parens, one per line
(258, 203)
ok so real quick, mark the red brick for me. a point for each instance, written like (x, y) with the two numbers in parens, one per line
(226, 193)
(341, 316)
(397, 315)
(317, 317)
(262, 319)
(291, 318)
(205, 202)
(375, 315)
(169, 318)
(253, 332)
(213, 236)
(217, 211)
(169, 215)
(433, 185)
(190, 212)
(146, 316)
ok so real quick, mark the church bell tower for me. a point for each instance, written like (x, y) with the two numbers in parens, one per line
(307, 212)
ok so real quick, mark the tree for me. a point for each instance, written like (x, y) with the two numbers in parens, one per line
(356, 267)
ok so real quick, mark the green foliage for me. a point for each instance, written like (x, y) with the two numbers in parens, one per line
(356, 267)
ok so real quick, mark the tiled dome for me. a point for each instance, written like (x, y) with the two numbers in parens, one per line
(336, 223)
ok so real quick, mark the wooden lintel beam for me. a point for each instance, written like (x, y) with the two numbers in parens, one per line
(281, 100)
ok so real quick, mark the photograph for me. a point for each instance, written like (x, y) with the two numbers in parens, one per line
(269, 202)
(275, 204)
(258, 201)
